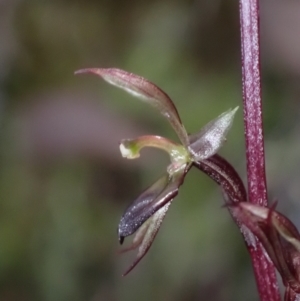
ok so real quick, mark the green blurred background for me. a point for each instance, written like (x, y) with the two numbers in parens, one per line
(63, 183)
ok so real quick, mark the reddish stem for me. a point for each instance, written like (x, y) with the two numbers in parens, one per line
(257, 189)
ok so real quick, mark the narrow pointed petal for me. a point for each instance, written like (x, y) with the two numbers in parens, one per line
(210, 139)
(287, 230)
(149, 202)
(138, 236)
(146, 234)
(144, 90)
(258, 212)
(142, 208)
(220, 171)
(281, 223)
(253, 222)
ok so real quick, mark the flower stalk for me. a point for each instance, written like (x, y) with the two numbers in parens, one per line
(264, 270)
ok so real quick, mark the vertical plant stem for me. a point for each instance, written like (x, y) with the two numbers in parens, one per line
(257, 189)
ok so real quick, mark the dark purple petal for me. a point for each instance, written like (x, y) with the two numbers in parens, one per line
(146, 91)
(142, 208)
(145, 235)
(220, 171)
(150, 201)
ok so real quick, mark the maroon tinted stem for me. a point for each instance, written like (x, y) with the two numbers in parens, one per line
(257, 188)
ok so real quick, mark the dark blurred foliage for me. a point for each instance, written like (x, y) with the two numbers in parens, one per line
(63, 183)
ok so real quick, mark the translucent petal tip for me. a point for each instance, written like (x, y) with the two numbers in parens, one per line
(86, 70)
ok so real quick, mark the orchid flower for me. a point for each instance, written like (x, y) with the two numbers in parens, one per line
(145, 215)
(280, 239)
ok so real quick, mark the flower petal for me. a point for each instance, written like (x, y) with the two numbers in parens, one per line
(146, 91)
(253, 217)
(145, 235)
(149, 202)
(287, 230)
(210, 139)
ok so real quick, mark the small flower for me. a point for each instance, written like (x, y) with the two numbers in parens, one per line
(280, 239)
(145, 215)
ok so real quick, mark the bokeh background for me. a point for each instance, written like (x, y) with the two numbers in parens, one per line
(63, 183)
